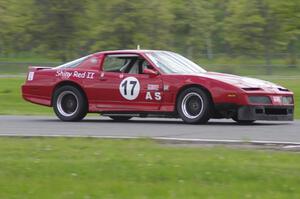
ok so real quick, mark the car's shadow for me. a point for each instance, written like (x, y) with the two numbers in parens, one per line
(171, 122)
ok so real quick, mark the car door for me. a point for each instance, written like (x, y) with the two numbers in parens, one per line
(120, 89)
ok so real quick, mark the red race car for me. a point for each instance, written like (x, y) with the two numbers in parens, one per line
(142, 83)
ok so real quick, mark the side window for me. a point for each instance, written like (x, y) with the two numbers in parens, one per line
(146, 65)
(125, 63)
(139, 66)
(114, 64)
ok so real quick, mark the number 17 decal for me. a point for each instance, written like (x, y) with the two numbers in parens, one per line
(130, 88)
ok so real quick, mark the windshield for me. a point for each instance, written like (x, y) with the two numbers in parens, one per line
(170, 62)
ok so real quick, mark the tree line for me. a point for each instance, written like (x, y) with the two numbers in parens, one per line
(65, 29)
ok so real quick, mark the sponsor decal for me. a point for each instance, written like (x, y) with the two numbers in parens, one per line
(30, 76)
(166, 87)
(155, 96)
(63, 74)
(80, 75)
(130, 88)
(153, 87)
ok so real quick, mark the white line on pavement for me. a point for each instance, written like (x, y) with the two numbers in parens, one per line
(183, 140)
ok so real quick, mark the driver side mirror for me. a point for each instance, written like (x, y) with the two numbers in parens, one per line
(150, 72)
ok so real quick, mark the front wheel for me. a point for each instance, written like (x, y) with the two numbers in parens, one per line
(69, 104)
(193, 106)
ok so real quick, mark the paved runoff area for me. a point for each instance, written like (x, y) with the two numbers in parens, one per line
(220, 130)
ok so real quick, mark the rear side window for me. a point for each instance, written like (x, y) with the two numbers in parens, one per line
(74, 63)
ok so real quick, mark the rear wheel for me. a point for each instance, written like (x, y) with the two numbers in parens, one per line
(69, 104)
(120, 118)
(193, 106)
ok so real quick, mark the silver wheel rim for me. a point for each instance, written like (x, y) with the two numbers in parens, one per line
(60, 103)
(185, 104)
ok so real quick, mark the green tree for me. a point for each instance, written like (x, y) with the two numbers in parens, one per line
(220, 9)
(252, 27)
(287, 13)
(58, 25)
(14, 26)
(193, 27)
(66, 29)
(243, 26)
(125, 24)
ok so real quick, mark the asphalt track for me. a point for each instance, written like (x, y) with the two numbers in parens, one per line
(149, 127)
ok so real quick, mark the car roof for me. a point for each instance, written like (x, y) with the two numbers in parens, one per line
(129, 51)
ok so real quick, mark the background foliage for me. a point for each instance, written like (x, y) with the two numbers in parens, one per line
(65, 29)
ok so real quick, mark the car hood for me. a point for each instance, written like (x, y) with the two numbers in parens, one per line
(243, 82)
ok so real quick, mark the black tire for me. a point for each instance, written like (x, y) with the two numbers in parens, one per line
(69, 104)
(245, 122)
(120, 118)
(194, 105)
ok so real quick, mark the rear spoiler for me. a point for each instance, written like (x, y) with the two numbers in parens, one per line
(39, 67)
(36, 68)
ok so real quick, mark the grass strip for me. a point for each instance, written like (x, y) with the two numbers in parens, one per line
(95, 168)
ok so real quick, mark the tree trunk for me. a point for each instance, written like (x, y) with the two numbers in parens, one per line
(190, 52)
(292, 55)
(268, 61)
(209, 50)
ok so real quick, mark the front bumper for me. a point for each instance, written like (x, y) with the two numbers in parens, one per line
(276, 113)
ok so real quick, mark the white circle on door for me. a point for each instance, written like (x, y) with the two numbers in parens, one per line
(130, 88)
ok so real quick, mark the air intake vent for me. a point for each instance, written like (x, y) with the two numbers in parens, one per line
(276, 111)
(251, 89)
(283, 89)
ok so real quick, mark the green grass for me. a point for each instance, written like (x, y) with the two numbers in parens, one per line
(247, 65)
(93, 168)
(12, 103)
(250, 70)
